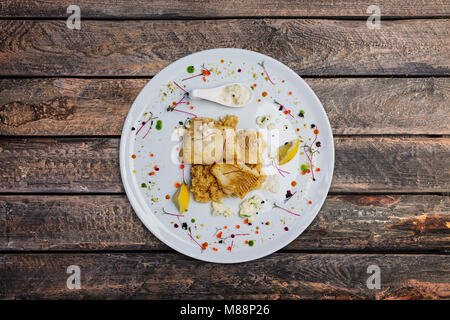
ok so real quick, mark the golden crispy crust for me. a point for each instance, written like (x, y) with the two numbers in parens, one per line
(238, 179)
(204, 185)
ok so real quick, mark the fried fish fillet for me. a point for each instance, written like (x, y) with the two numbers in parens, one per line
(207, 141)
(238, 179)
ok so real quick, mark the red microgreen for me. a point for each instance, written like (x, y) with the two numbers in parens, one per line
(150, 119)
(201, 247)
(187, 93)
(286, 111)
(308, 150)
(277, 206)
(261, 64)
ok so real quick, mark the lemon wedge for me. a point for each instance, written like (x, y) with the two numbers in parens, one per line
(181, 198)
(287, 152)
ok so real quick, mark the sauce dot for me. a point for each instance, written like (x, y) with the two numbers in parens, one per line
(286, 228)
(309, 201)
(317, 169)
(133, 156)
(175, 225)
(238, 226)
(290, 92)
(293, 183)
(167, 197)
(264, 94)
(239, 70)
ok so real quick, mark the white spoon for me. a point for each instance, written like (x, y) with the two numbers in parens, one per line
(234, 95)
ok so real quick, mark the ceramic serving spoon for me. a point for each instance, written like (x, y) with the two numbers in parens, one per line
(234, 95)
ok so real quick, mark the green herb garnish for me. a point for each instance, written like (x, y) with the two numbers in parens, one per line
(190, 69)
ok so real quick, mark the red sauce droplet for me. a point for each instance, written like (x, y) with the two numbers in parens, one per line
(133, 156)
(286, 228)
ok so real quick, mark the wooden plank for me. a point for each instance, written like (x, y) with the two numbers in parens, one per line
(174, 276)
(222, 8)
(107, 222)
(308, 46)
(363, 164)
(71, 106)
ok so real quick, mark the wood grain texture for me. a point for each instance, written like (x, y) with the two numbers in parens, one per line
(310, 47)
(107, 222)
(173, 276)
(221, 8)
(70, 106)
(363, 164)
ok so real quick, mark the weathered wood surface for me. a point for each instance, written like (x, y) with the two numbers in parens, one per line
(173, 276)
(71, 106)
(393, 223)
(222, 8)
(308, 46)
(363, 164)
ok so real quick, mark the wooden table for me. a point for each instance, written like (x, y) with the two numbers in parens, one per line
(64, 95)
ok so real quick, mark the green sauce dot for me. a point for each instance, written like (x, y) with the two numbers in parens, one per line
(192, 220)
(251, 243)
(144, 185)
(304, 167)
(158, 125)
(190, 69)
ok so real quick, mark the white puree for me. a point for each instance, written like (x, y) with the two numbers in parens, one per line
(234, 94)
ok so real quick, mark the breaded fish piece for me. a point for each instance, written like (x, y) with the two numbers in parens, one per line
(238, 179)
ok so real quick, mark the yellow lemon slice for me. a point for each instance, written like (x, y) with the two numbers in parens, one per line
(287, 152)
(181, 198)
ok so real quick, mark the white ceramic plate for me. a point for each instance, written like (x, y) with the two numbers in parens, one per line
(150, 172)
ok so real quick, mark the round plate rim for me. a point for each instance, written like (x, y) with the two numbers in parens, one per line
(139, 210)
